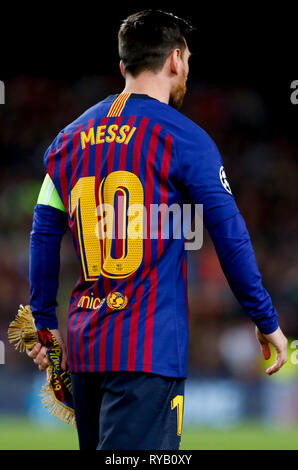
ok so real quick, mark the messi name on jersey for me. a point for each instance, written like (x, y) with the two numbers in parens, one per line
(101, 134)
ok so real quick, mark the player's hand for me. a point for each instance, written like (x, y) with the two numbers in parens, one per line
(280, 343)
(39, 353)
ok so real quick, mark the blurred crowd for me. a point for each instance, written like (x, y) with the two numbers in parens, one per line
(261, 165)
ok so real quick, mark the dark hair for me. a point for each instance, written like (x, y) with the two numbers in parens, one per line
(146, 39)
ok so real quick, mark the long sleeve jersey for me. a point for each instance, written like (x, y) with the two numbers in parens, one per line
(105, 171)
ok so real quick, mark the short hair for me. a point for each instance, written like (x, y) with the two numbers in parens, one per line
(147, 38)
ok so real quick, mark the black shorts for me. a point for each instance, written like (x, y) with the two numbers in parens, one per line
(128, 410)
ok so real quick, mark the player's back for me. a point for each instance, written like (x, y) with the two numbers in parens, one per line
(117, 171)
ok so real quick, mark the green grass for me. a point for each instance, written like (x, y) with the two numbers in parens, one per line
(248, 436)
(20, 433)
(23, 434)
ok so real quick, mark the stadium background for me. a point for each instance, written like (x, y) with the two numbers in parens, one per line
(54, 67)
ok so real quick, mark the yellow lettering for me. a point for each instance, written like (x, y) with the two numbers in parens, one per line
(122, 134)
(100, 134)
(87, 138)
(91, 302)
(107, 135)
(82, 300)
(111, 129)
(97, 302)
(130, 135)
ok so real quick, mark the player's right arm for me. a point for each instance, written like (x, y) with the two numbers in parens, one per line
(49, 225)
(203, 178)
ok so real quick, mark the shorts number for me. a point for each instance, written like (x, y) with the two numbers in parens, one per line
(177, 402)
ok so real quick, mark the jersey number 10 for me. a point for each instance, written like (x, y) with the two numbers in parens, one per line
(103, 230)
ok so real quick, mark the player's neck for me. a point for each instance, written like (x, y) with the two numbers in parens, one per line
(148, 84)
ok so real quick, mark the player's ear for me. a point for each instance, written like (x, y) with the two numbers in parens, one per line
(175, 58)
(122, 68)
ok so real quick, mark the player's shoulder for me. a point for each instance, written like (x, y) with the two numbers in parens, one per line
(186, 132)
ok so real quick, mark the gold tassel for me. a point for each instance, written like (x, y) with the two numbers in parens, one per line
(55, 407)
(22, 330)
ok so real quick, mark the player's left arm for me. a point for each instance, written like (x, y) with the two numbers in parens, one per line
(236, 255)
(49, 226)
(204, 178)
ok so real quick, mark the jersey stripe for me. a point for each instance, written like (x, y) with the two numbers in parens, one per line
(82, 340)
(107, 281)
(101, 170)
(74, 156)
(86, 151)
(149, 191)
(118, 105)
(137, 335)
(134, 316)
(52, 163)
(82, 319)
(73, 363)
(164, 173)
(155, 285)
(117, 339)
(93, 357)
(79, 313)
(184, 271)
(62, 170)
(74, 179)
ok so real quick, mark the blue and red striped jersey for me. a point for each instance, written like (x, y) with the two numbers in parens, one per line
(128, 311)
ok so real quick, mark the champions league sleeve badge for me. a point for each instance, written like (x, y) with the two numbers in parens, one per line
(224, 180)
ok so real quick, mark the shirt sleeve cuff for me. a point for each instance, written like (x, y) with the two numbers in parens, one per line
(267, 325)
(45, 322)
